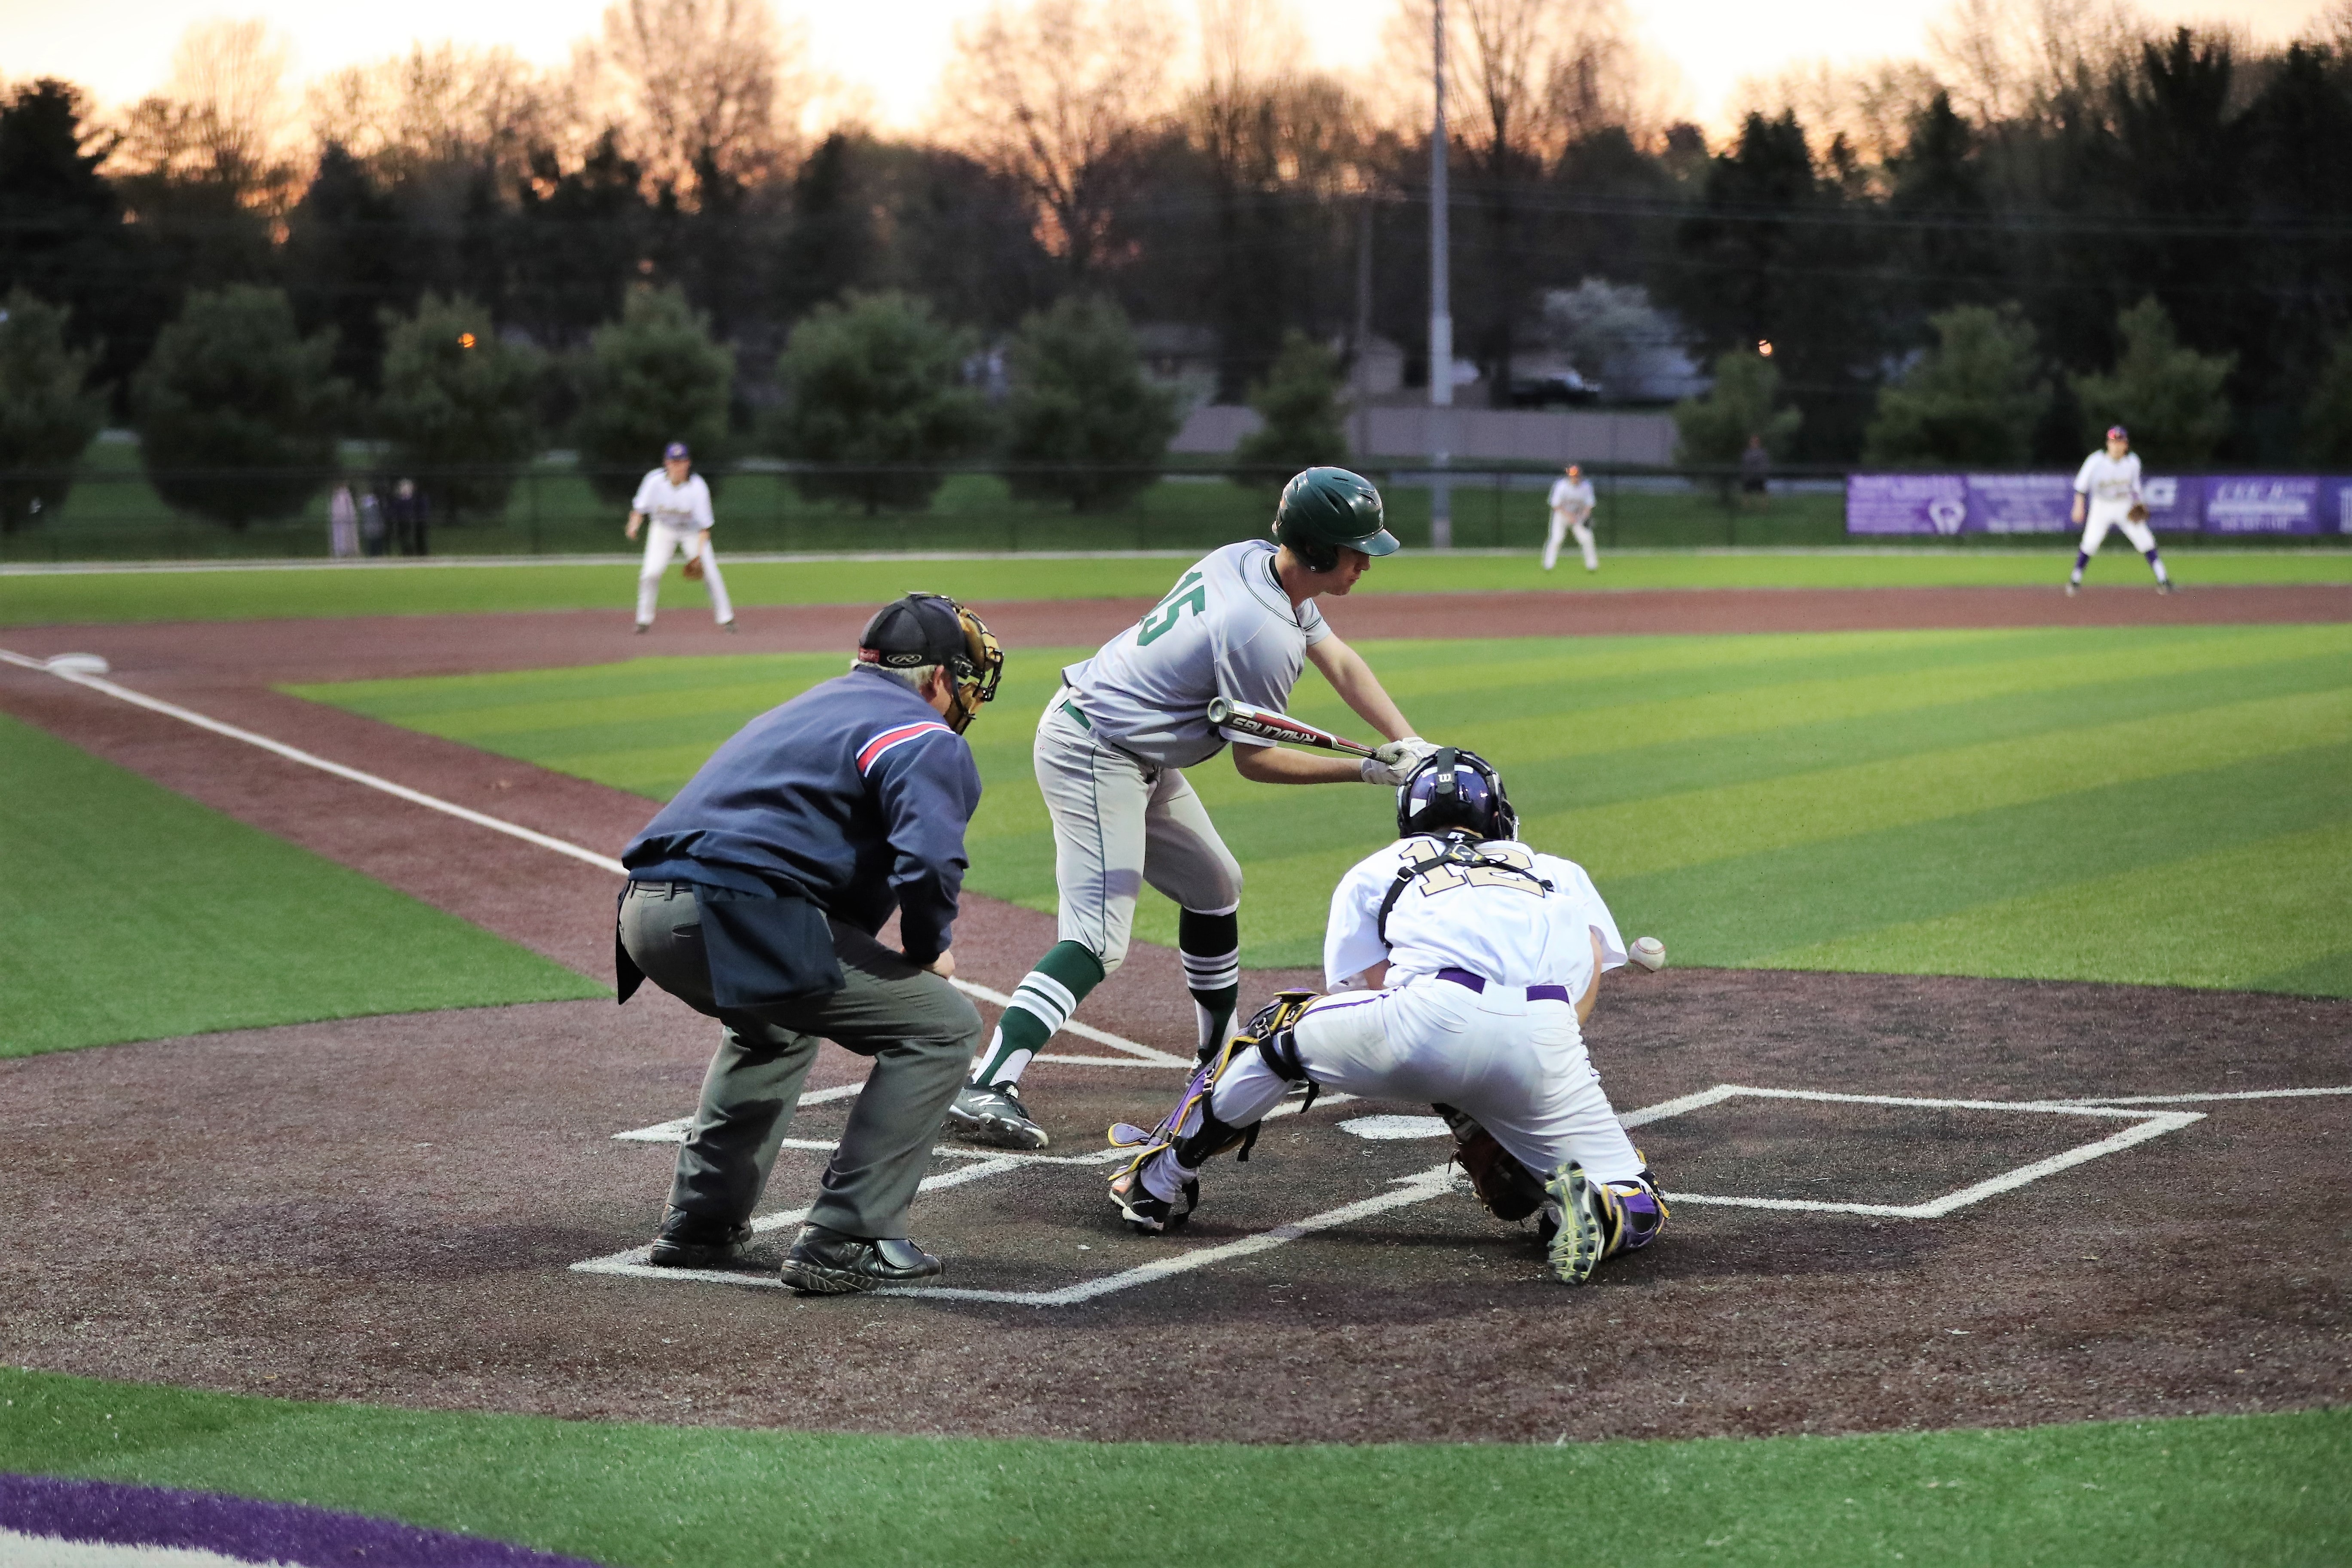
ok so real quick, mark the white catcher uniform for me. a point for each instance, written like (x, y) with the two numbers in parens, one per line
(2112, 485)
(677, 518)
(1113, 742)
(1571, 511)
(1477, 1010)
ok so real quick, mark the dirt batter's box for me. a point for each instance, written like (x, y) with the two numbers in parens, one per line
(2139, 1125)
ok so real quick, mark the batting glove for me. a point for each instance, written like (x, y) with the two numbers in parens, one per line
(1393, 764)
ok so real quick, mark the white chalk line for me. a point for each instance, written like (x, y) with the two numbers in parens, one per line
(2196, 1099)
(1145, 1054)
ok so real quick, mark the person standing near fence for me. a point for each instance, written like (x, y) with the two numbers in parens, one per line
(342, 524)
(410, 520)
(2108, 495)
(676, 501)
(1571, 512)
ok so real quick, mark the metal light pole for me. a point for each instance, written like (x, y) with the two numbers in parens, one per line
(1441, 307)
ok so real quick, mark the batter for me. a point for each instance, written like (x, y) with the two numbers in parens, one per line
(1110, 754)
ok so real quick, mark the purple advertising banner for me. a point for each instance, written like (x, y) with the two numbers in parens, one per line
(2020, 503)
(2265, 504)
(1905, 503)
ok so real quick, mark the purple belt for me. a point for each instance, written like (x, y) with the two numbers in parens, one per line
(1479, 983)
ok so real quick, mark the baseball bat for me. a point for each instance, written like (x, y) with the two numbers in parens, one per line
(1268, 725)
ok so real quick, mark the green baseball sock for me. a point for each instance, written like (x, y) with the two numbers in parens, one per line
(1042, 1004)
(1211, 942)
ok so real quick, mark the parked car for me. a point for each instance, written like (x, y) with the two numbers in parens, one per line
(1549, 388)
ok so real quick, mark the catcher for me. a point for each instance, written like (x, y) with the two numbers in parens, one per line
(1465, 964)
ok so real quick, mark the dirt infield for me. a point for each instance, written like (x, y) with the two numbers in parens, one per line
(392, 1209)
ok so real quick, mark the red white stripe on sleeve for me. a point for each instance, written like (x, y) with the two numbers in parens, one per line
(891, 740)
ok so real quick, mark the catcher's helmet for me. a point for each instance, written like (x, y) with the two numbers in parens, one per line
(931, 628)
(1323, 508)
(1455, 791)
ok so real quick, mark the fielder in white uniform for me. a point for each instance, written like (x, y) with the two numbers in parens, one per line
(1571, 512)
(1464, 966)
(2107, 490)
(1111, 749)
(677, 502)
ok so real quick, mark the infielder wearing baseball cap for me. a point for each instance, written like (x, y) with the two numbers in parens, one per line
(933, 629)
(1323, 509)
(2117, 432)
(675, 452)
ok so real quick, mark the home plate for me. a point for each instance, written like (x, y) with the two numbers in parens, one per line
(1383, 1129)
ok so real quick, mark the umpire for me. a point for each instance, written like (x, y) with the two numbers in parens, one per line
(754, 897)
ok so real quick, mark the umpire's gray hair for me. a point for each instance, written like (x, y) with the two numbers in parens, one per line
(913, 679)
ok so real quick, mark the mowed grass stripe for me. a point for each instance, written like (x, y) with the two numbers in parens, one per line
(1730, 783)
(134, 913)
(2293, 887)
(2249, 1489)
(1754, 910)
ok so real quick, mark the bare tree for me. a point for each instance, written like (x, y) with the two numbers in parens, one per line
(1870, 105)
(442, 105)
(1061, 96)
(2014, 59)
(222, 116)
(699, 88)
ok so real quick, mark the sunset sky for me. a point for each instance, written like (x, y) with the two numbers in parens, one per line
(121, 48)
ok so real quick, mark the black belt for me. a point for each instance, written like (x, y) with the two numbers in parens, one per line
(1479, 983)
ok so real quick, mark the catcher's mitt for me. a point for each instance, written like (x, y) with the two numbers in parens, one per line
(2138, 512)
(694, 569)
(1506, 1189)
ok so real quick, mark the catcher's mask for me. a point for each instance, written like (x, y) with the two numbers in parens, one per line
(931, 628)
(1455, 790)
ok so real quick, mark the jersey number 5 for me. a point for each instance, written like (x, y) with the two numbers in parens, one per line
(1178, 601)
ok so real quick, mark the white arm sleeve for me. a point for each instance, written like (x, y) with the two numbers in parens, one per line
(644, 499)
(2083, 475)
(702, 518)
(1352, 941)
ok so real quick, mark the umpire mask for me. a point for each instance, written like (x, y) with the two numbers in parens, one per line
(931, 628)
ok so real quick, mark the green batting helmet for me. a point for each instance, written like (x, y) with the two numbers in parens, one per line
(1323, 508)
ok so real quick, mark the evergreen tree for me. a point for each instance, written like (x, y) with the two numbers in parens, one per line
(1714, 428)
(2165, 394)
(237, 409)
(579, 240)
(1299, 401)
(2328, 418)
(1973, 399)
(349, 259)
(876, 383)
(1085, 425)
(652, 377)
(831, 243)
(458, 397)
(48, 415)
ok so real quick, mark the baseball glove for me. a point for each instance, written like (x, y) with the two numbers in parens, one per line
(1506, 1189)
(694, 569)
(2138, 512)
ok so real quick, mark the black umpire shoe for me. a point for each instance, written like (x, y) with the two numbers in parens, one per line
(827, 1263)
(691, 1241)
(993, 1114)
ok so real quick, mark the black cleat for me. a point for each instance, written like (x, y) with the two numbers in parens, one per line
(644, 627)
(727, 625)
(690, 1241)
(827, 1263)
(993, 1114)
(1147, 1214)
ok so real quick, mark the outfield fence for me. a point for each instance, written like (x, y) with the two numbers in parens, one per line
(113, 510)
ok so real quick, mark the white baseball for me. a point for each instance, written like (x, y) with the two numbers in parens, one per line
(1649, 952)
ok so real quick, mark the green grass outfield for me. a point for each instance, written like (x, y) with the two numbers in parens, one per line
(134, 913)
(2265, 1489)
(2162, 805)
(217, 594)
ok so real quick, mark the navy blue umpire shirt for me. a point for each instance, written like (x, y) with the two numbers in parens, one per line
(856, 792)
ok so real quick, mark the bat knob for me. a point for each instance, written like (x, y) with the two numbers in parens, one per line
(1219, 709)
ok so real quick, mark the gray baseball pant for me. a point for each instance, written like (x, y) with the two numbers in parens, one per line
(919, 1031)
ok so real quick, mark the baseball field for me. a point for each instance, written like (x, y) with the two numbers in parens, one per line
(1998, 1079)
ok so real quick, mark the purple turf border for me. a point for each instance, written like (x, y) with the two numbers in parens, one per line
(244, 1528)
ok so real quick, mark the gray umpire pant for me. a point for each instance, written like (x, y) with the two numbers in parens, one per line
(919, 1031)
